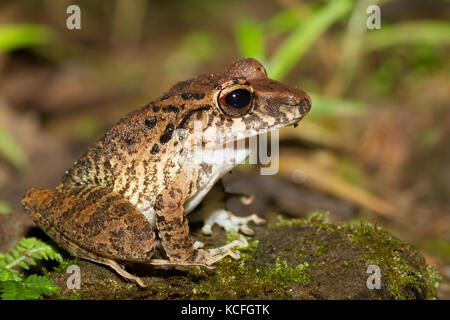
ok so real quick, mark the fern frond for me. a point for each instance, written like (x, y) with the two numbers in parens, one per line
(24, 254)
(10, 275)
(13, 284)
(33, 287)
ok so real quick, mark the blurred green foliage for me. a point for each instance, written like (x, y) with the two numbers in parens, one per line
(304, 36)
(337, 107)
(199, 44)
(12, 151)
(252, 36)
(18, 36)
(13, 37)
(304, 23)
(251, 39)
(5, 208)
(87, 128)
(195, 48)
(410, 33)
(304, 27)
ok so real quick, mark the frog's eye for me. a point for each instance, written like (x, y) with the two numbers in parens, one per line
(239, 98)
(236, 101)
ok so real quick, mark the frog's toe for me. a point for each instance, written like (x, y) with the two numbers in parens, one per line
(227, 220)
(241, 242)
(211, 256)
(121, 270)
(198, 244)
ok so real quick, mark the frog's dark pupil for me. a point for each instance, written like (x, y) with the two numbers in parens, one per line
(238, 98)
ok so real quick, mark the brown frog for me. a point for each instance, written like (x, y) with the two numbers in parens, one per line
(133, 188)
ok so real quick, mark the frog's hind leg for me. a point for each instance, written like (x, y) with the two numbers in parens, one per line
(82, 253)
(94, 224)
(120, 270)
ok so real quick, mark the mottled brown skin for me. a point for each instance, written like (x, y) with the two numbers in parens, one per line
(133, 186)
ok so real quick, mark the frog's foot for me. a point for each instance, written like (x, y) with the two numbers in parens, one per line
(210, 256)
(178, 265)
(204, 257)
(227, 220)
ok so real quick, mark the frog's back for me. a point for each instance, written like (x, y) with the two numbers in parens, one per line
(126, 160)
(140, 155)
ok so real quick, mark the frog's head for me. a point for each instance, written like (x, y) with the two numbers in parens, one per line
(244, 102)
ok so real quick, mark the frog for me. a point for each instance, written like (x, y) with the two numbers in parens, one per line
(129, 195)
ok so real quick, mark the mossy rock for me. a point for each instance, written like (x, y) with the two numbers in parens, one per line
(294, 259)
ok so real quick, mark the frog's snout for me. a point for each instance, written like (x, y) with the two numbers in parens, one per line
(272, 92)
(303, 102)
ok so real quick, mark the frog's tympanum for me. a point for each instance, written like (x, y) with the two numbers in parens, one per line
(129, 194)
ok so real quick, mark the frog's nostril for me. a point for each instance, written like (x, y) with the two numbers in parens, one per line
(292, 101)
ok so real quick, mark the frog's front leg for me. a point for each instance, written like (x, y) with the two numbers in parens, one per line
(173, 230)
(213, 212)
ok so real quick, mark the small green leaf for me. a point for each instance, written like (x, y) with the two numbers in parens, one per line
(23, 265)
(9, 275)
(35, 255)
(9, 258)
(31, 261)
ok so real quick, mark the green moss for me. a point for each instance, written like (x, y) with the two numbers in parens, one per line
(321, 249)
(161, 289)
(282, 222)
(404, 271)
(283, 273)
(319, 219)
(65, 264)
(197, 272)
(244, 278)
(76, 295)
(402, 268)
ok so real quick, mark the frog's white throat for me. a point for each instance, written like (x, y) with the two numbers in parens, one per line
(220, 161)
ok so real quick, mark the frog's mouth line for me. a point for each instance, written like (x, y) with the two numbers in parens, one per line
(238, 139)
